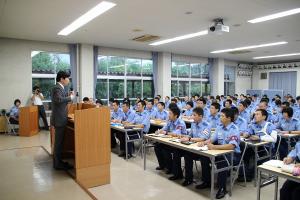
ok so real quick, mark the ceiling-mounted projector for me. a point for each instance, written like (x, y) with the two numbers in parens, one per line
(218, 27)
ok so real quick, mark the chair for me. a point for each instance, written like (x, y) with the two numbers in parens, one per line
(236, 168)
(276, 155)
(11, 126)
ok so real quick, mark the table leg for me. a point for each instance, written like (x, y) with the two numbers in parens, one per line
(126, 146)
(258, 186)
(144, 152)
(255, 165)
(231, 172)
(276, 189)
(212, 181)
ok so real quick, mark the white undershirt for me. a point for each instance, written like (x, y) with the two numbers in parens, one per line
(37, 101)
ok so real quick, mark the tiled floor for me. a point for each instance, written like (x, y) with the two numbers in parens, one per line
(26, 173)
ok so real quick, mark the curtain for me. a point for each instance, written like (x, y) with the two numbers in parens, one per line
(285, 81)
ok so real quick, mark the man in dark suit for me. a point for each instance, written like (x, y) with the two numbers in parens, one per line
(59, 117)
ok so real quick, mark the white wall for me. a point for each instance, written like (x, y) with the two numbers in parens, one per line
(164, 74)
(217, 79)
(263, 84)
(16, 68)
(86, 71)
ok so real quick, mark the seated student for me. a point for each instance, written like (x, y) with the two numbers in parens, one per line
(201, 102)
(297, 108)
(116, 117)
(155, 102)
(14, 112)
(243, 111)
(150, 109)
(128, 116)
(262, 130)
(161, 113)
(214, 116)
(240, 122)
(99, 103)
(183, 103)
(200, 131)
(189, 109)
(290, 190)
(226, 137)
(263, 105)
(175, 127)
(110, 103)
(228, 103)
(287, 125)
(141, 120)
(179, 104)
(138, 99)
(167, 101)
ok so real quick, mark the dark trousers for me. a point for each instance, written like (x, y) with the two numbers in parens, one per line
(188, 162)
(113, 140)
(222, 176)
(130, 145)
(42, 114)
(283, 149)
(163, 155)
(58, 145)
(176, 161)
(290, 191)
(13, 121)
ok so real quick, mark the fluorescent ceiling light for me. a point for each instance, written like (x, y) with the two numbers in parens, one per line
(183, 37)
(87, 17)
(275, 56)
(276, 15)
(249, 47)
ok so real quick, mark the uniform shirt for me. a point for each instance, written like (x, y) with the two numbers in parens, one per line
(295, 153)
(246, 115)
(14, 112)
(183, 104)
(167, 103)
(200, 130)
(151, 112)
(242, 124)
(296, 109)
(142, 118)
(179, 104)
(163, 115)
(206, 112)
(214, 120)
(292, 124)
(188, 112)
(117, 114)
(37, 100)
(128, 116)
(227, 135)
(256, 129)
(178, 127)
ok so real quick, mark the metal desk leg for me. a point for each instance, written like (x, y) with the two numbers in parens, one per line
(212, 181)
(144, 150)
(276, 189)
(126, 145)
(231, 172)
(255, 165)
(258, 185)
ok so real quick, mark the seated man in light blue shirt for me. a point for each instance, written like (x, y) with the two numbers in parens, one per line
(297, 108)
(116, 116)
(155, 102)
(161, 113)
(167, 102)
(200, 131)
(150, 110)
(176, 127)
(287, 125)
(201, 102)
(14, 112)
(240, 122)
(226, 137)
(290, 190)
(214, 116)
(189, 109)
(243, 111)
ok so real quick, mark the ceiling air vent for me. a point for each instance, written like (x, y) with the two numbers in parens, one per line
(263, 75)
(240, 52)
(146, 38)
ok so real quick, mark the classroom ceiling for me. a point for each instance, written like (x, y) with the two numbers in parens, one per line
(42, 19)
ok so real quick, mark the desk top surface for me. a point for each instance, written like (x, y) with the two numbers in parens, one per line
(277, 171)
(120, 127)
(192, 147)
(290, 135)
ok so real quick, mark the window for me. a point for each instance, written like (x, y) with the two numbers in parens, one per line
(229, 80)
(189, 79)
(45, 66)
(120, 77)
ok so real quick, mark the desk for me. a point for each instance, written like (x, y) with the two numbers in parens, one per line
(28, 121)
(288, 137)
(277, 173)
(255, 145)
(87, 142)
(159, 123)
(121, 128)
(211, 154)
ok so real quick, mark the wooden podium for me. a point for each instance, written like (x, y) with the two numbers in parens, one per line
(28, 121)
(87, 141)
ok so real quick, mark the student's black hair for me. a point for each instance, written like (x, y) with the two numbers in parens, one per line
(99, 101)
(172, 105)
(111, 99)
(293, 101)
(174, 99)
(235, 110)
(151, 101)
(267, 100)
(198, 111)
(168, 97)
(127, 103)
(145, 99)
(298, 98)
(263, 112)
(116, 102)
(190, 103)
(175, 110)
(143, 103)
(278, 96)
(62, 74)
(227, 100)
(35, 87)
(244, 103)
(216, 105)
(218, 97)
(202, 99)
(289, 111)
(162, 104)
(85, 99)
(212, 97)
(287, 104)
(157, 98)
(228, 112)
(17, 101)
(277, 102)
